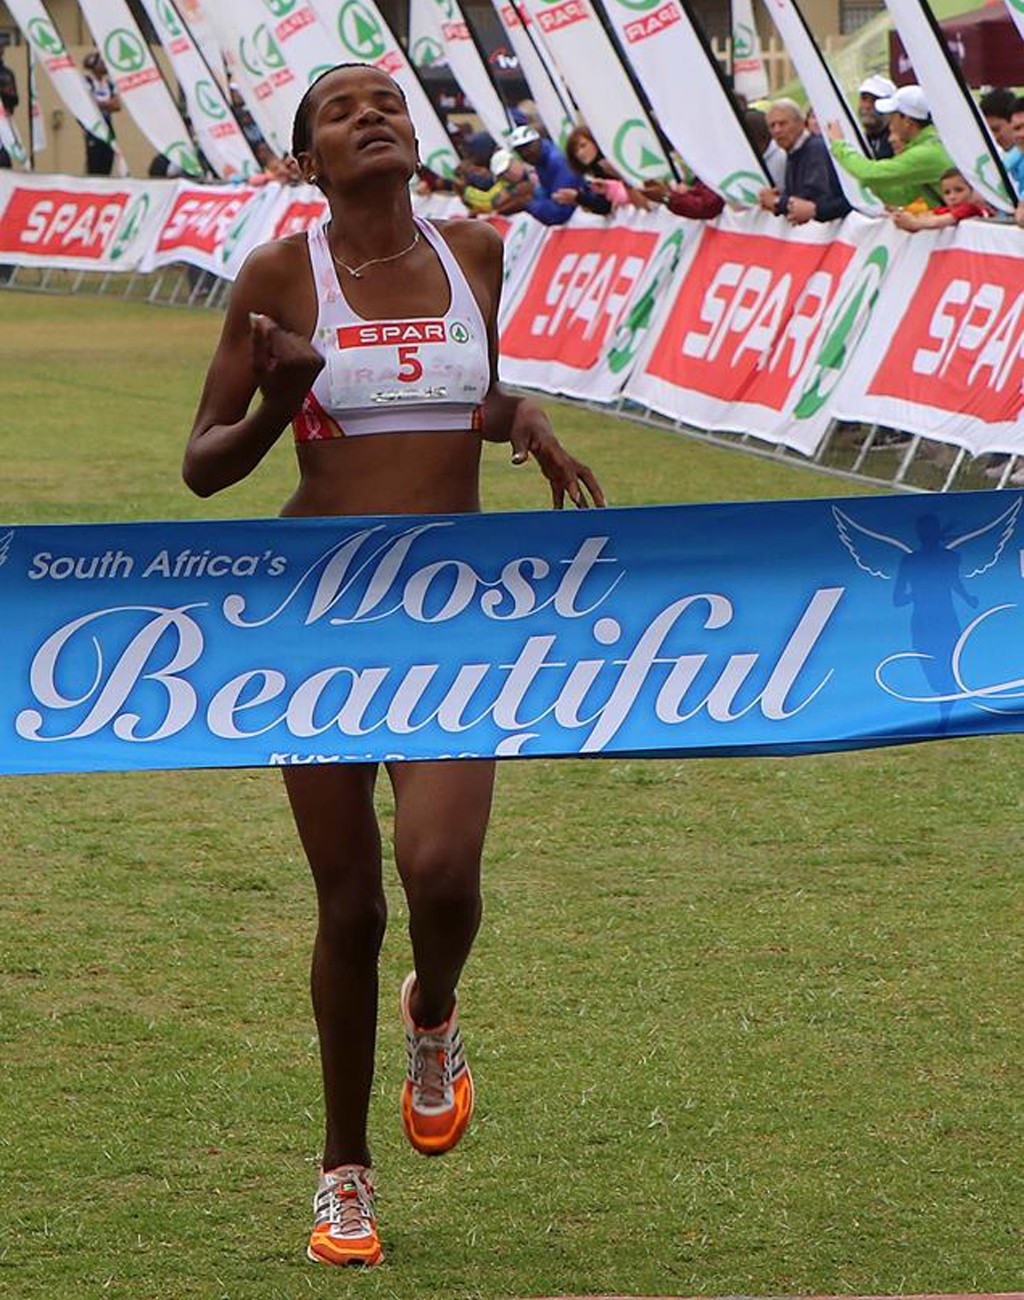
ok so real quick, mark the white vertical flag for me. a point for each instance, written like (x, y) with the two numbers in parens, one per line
(823, 93)
(257, 65)
(46, 43)
(550, 96)
(138, 81)
(466, 65)
(955, 115)
(36, 123)
(307, 45)
(686, 91)
(191, 11)
(367, 38)
(219, 135)
(749, 76)
(601, 87)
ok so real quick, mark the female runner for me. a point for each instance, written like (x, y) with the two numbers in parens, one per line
(362, 451)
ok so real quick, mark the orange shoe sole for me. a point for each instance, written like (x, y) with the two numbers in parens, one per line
(322, 1250)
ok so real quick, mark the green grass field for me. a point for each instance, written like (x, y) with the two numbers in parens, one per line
(738, 1027)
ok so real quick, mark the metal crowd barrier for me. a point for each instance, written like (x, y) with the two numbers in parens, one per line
(869, 454)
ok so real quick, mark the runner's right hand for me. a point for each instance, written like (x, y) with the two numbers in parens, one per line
(285, 363)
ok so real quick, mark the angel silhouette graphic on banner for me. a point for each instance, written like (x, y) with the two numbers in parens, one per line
(930, 577)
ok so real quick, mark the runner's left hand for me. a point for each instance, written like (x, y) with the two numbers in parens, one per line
(532, 435)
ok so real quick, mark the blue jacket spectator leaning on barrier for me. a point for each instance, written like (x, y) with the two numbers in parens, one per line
(553, 174)
(811, 190)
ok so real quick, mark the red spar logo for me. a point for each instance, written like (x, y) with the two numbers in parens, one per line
(748, 316)
(961, 348)
(577, 295)
(200, 221)
(61, 223)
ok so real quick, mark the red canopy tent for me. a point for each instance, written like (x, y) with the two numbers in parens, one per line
(985, 43)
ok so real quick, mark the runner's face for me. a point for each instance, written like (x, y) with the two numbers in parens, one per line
(359, 128)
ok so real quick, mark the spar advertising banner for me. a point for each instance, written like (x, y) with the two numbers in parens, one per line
(89, 224)
(763, 320)
(824, 93)
(256, 64)
(778, 628)
(949, 362)
(294, 209)
(211, 226)
(524, 238)
(599, 84)
(580, 318)
(956, 116)
(139, 82)
(681, 79)
(219, 135)
(367, 38)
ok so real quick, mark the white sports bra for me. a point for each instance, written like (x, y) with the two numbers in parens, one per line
(394, 376)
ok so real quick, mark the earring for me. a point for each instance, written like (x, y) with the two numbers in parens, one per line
(311, 180)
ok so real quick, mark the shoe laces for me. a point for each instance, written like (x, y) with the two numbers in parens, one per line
(345, 1203)
(432, 1058)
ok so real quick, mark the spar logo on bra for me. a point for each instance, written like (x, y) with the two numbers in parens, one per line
(392, 333)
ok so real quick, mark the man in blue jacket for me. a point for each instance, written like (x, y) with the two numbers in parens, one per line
(811, 190)
(553, 173)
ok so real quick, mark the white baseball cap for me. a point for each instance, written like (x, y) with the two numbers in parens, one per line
(521, 135)
(908, 100)
(877, 86)
(501, 161)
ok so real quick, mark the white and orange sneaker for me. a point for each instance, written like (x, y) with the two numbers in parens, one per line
(437, 1096)
(344, 1220)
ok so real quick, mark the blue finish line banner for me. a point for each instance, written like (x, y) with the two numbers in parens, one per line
(770, 628)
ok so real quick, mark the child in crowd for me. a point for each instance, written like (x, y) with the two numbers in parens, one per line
(959, 201)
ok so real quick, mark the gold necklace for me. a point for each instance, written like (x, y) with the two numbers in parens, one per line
(356, 271)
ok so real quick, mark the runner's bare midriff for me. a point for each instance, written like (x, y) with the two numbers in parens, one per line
(388, 474)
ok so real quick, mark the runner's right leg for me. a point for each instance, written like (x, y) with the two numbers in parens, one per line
(334, 813)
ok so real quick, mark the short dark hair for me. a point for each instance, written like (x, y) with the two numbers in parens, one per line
(950, 172)
(300, 125)
(997, 102)
(1017, 106)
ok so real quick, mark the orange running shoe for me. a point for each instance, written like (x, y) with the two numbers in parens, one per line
(437, 1097)
(344, 1220)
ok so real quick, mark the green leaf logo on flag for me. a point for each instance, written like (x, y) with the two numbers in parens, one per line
(45, 36)
(280, 7)
(185, 156)
(637, 151)
(849, 320)
(360, 32)
(426, 52)
(209, 101)
(124, 51)
(267, 47)
(743, 187)
(638, 6)
(169, 18)
(742, 41)
(441, 163)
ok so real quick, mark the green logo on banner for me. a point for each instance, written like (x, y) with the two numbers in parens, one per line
(743, 187)
(280, 7)
(185, 156)
(636, 150)
(742, 41)
(124, 51)
(848, 323)
(440, 163)
(237, 229)
(130, 225)
(319, 71)
(630, 333)
(360, 32)
(638, 6)
(169, 18)
(447, 8)
(210, 101)
(45, 37)
(426, 52)
(266, 47)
